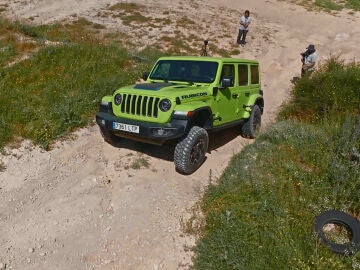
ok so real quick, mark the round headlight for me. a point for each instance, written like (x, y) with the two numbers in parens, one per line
(165, 105)
(117, 99)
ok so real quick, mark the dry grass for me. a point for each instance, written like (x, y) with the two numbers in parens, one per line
(2, 166)
(126, 7)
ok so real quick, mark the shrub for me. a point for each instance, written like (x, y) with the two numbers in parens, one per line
(260, 215)
(59, 89)
(331, 92)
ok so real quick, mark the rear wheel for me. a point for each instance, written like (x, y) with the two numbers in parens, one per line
(108, 135)
(190, 152)
(251, 127)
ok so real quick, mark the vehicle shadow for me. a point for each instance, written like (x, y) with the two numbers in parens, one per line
(218, 139)
(166, 151)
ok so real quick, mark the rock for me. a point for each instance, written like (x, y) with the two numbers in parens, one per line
(31, 250)
(342, 36)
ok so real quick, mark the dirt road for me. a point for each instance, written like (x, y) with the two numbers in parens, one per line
(86, 205)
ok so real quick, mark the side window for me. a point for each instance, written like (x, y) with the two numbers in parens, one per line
(243, 75)
(255, 74)
(228, 71)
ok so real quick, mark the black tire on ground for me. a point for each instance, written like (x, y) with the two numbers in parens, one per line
(190, 152)
(251, 127)
(108, 136)
(339, 218)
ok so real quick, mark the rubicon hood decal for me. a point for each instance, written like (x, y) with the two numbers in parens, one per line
(194, 95)
(152, 86)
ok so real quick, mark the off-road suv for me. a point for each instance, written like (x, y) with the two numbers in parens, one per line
(181, 100)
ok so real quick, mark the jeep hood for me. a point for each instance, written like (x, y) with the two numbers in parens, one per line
(166, 89)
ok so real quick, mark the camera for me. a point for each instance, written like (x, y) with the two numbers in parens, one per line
(304, 55)
(204, 49)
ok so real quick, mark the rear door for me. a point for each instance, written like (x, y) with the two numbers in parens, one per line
(243, 82)
(254, 79)
(249, 84)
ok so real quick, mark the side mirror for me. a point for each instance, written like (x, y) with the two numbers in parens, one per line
(226, 81)
(145, 75)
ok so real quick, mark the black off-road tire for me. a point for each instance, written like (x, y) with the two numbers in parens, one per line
(108, 136)
(190, 152)
(251, 127)
(340, 218)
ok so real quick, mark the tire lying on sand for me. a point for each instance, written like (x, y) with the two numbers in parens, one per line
(351, 224)
(251, 127)
(190, 152)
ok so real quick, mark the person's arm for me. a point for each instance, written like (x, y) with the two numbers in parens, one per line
(242, 22)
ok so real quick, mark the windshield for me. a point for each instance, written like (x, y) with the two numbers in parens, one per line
(185, 70)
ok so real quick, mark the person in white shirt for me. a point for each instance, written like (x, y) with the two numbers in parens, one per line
(309, 58)
(244, 28)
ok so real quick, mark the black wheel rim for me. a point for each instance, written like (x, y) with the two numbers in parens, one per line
(197, 152)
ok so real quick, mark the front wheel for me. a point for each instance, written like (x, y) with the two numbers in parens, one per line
(251, 127)
(190, 152)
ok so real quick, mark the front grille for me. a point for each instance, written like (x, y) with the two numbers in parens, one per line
(140, 105)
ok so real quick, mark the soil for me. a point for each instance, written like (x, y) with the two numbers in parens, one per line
(87, 204)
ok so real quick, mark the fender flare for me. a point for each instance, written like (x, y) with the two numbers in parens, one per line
(343, 219)
(206, 122)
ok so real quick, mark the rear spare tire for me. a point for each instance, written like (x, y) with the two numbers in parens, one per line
(190, 152)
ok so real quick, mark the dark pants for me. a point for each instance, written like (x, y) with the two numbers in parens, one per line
(241, 36)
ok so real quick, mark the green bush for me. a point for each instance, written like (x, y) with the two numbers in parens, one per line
(59, 88)
(331, 92)
(354, 4)
(261, 213)
(328, 4)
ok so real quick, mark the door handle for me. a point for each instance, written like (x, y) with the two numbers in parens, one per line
(235, 95)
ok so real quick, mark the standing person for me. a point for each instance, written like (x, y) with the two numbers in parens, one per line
(309, 58)
(244, 28)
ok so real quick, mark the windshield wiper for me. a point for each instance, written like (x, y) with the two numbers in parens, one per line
(159, 78)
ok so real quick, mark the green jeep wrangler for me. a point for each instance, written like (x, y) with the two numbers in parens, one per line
(181, 100)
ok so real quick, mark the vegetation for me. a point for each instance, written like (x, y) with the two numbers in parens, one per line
(330, 5)
(353, 4)
(332, 92)
(260, 214)
(140, 162)
(59, 87)
(126, 7)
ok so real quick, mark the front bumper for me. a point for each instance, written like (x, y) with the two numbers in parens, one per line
(149, 132)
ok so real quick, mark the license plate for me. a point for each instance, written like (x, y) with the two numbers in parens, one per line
(126, 127)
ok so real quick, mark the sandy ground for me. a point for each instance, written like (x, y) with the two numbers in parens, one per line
(80, 206)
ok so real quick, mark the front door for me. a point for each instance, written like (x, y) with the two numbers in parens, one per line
(226, 99)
